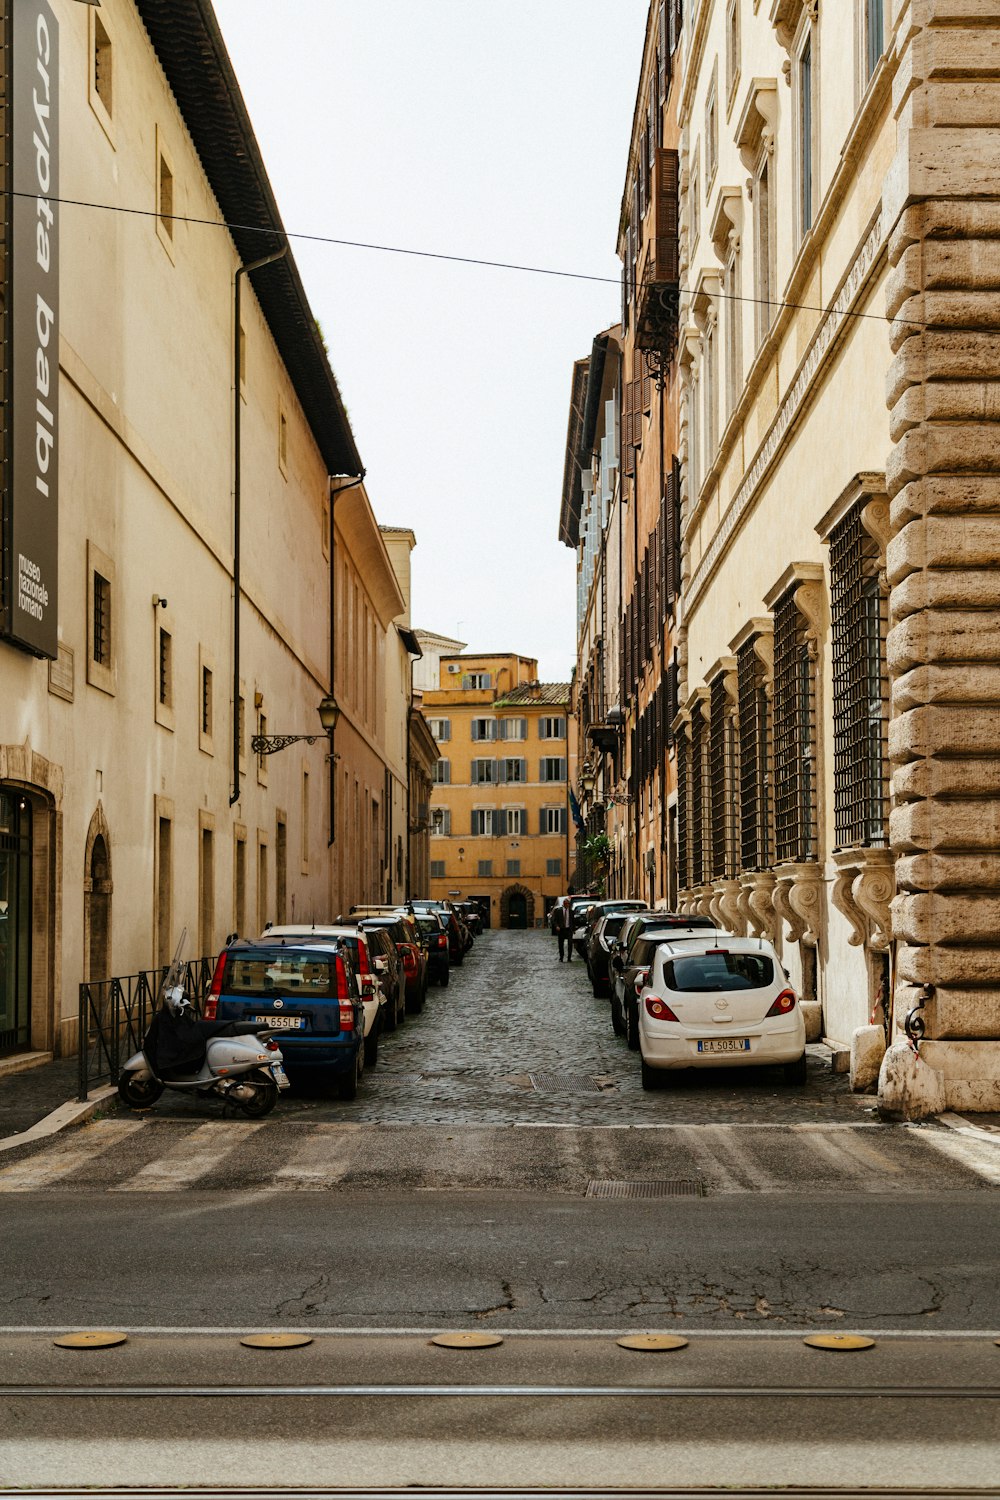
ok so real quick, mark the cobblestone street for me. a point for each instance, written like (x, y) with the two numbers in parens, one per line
(512, 1011)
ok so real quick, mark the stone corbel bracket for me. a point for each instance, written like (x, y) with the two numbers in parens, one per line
(758, 120)
(872, 892)
(786, 16)
(725, 907)
(847, 865)
(756, 903)
(726, 227)
(798, 900)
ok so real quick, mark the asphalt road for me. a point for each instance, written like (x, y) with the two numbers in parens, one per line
(459, 1193)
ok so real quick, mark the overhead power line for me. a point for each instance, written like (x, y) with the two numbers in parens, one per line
(471, 260)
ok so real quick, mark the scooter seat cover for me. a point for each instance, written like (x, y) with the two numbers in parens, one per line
(174, 1043)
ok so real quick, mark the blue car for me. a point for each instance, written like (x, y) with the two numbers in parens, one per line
(308, 994)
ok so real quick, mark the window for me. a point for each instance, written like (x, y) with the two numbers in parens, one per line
(515, 819)
(513, 867)
(282, 439)
(874, 34)
(164, 887)
(262, 884)
(484, 822)
(805, 78)
(261, 757)
(441, 822)
(754, 758)
(794, 717)
(206, 702)
(704, 973)
(860, 686)
(732, 48)
(101, 652)
(437, 869)
(711, 386)
(305, 822)
(694, 200)
(711, 133)
(552, 820)
(165, 197)
(101, 72)
(512, 771)
(552, 729)
(484, 772)
(441, 773)
(733, 326)
(440, 729)
(694, 432)
(165, 669)
(484, 729)
(513, 729)
(206, 891)
(485, 869)
(476, 682)
(552, 768)
(553, 867)
(280, 869)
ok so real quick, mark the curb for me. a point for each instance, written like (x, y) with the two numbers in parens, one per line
(969, 1127)
(70, 1113)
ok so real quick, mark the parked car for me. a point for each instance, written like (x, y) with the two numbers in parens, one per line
(379, 1016)
(406, 935)
(579, 906)
(626, 960)
(719, 1002)
(434, 927)
(305, 993)
(389, 967)
(457, 947)
(471, 915)
(600, 940)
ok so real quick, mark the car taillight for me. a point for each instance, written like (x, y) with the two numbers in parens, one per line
(343, 989)
(346, 1016)
(363, 959)
(409, 961)
(659, 1009)
(441, 940)
(640, 979)
(212, 998)
(784, 1003)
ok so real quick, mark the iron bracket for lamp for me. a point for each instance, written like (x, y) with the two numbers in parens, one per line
(268, 744)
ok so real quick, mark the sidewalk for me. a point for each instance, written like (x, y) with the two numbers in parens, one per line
(26, 1098)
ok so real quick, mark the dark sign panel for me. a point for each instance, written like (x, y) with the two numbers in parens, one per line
(31, 529)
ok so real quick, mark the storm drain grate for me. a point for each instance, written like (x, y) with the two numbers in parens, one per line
(392, 1080)
(662, 1187)
(564, 1083)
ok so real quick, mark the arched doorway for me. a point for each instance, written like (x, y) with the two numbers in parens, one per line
(97, 892)
(517, 907)
(15, 920)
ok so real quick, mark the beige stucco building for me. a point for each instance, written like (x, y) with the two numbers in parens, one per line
(840, 669)
(499, 813)
(131, 802)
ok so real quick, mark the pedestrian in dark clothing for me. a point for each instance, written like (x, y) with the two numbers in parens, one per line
(562, 926)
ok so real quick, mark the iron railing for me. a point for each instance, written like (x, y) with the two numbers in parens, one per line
(115, 1013)
(860, 686)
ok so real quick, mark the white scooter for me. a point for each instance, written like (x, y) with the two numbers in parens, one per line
(238, 1060)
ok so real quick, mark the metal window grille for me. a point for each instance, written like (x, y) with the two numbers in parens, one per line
(164, 671)
(683, 802)
(723, 782)
(754, 752)
(102, 622)
(860, 687)
(700, 823)
(794, 736)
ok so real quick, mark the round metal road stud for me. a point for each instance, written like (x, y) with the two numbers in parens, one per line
(652, 1343)
(467, 1340)
(276, 1340)
(95, 1340)
(842, 1341)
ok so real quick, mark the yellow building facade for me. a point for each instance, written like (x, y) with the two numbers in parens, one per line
(499, 811)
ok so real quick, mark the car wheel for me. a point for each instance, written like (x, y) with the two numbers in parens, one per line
(371, 1045)
(444, 978)
(632, 1027)
(795, 1072)
(138, 1092)
(617, 1024)
(347, 1083)
(652, 1078)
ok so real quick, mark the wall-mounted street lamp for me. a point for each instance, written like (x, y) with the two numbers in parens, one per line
(437, 819)
(329, 713)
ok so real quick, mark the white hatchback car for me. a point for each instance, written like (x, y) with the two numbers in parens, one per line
(719, 1001)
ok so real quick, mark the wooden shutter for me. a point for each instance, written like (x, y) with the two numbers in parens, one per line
(676, 525)
(625, 431)
(666, 249)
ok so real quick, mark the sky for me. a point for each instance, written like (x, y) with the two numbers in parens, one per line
(487, 128)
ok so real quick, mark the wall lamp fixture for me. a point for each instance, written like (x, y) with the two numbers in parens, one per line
(329, 713)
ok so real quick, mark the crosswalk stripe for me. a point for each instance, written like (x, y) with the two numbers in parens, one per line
(969, 1149)
(323, 1159)
(191, 1158)
(66, 1158)
(723, 1157)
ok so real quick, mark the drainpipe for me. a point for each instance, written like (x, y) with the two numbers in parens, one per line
(352, 483)
(253, 265)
